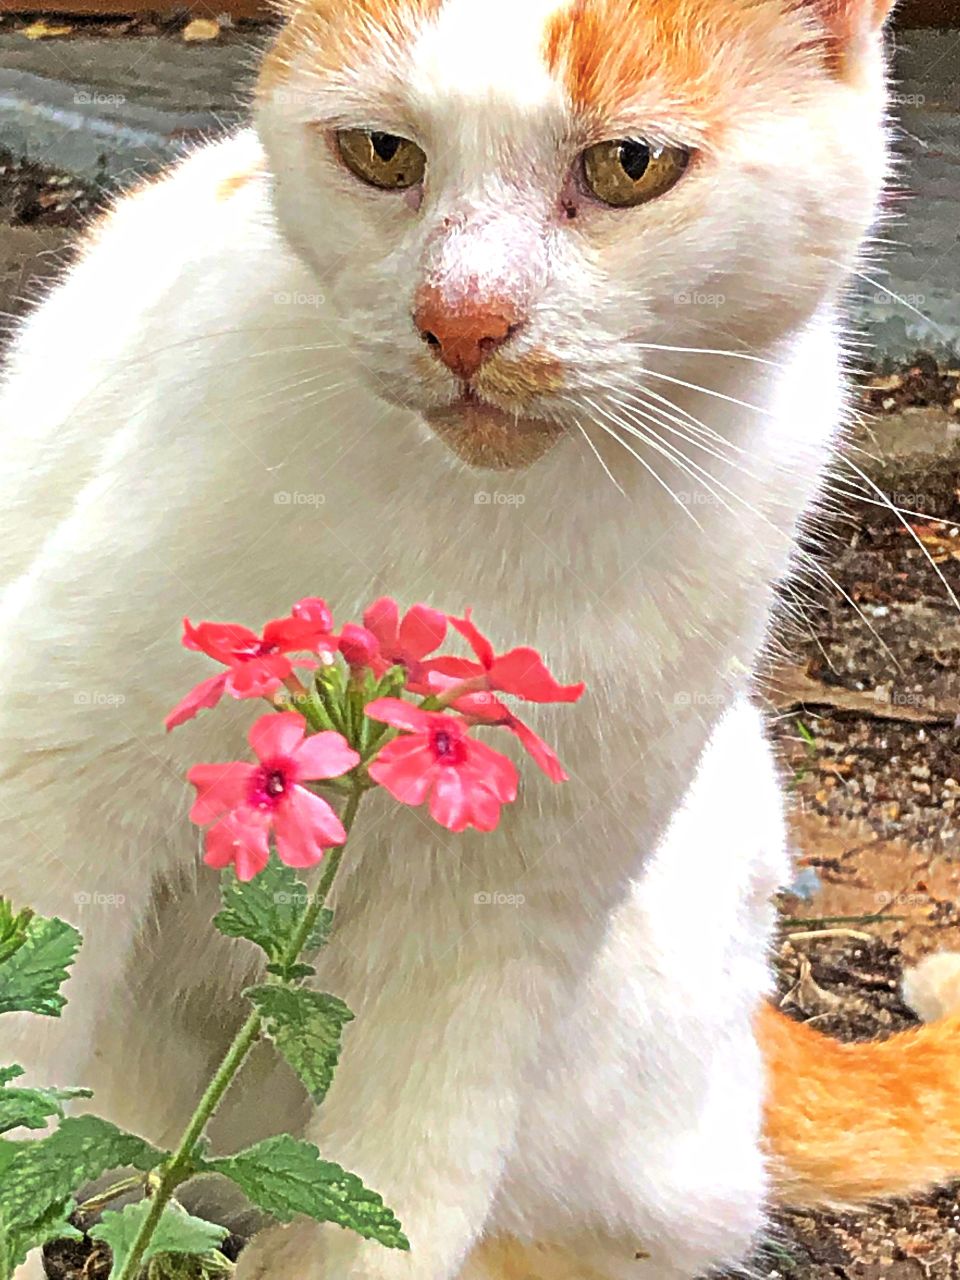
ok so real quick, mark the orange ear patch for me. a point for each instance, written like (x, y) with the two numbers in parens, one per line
(341, 33)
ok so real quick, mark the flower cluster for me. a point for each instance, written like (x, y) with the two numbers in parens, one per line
(351, 728)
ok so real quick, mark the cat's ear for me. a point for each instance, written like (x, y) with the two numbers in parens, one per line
(850, 21)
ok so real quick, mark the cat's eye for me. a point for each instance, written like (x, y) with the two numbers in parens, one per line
(629, 171)
(382, 159)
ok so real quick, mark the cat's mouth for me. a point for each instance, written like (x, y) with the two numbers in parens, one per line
(484, 435)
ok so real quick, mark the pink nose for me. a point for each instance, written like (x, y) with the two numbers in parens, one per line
(465, 333)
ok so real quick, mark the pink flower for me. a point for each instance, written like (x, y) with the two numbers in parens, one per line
(404, 642)
(465, 781)
(246, 801)
(313, 609)
(519, 671)
(484, 708)
(257, 665)
(358, 646)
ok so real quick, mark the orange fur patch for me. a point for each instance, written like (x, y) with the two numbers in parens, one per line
(535, 373)
(687, 51)
(700, 53)
(848, 1123)
(229, 186)
(340, 33)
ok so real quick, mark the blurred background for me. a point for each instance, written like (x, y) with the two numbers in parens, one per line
(863, 686)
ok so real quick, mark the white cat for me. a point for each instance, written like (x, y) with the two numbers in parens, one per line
(598, 247)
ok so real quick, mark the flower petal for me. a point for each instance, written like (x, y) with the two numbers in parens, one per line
(382, 618)
(313, 609)
(278, 733)
(290, 634)
(405, 767)
(219, 787)
(240, 841)
(258, 677)
(304, 827)
(494, 769)
(358, 645)
(523, 672)
(478, 642)
(225, 641)
(205, 694)
(544, 755)
(400, 714)
(422, 630)
(458, 802)
(324, 755)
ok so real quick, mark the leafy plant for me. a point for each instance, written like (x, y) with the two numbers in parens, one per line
(344, 734)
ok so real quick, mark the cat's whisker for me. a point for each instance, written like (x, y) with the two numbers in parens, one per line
(706, 351)
(709, 481)
(642, 461)
(648, 416)
(596, 453)
(708, 391)
(886, 501)
(671, 411)
(876, 284)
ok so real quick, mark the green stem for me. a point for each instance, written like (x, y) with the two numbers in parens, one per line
(180, 1166)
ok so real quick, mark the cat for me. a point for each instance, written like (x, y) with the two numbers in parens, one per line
(530, 305)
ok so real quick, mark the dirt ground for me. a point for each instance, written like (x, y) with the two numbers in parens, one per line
(863, 687)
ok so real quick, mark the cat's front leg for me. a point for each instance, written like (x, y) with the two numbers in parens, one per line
(423, 1107)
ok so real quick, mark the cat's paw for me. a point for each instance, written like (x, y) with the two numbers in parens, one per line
(294, 1252)
(305, 1251)
(32, 1269)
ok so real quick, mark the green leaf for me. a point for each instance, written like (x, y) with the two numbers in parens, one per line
(285, 1177)
(306, 1027)
(31, 976)
(37, 1176)
(17, 1241)
(267, 910)
(13, 928)
(176, 1232)
(31, 1108)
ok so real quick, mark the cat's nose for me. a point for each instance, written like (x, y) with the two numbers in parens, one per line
(466, 332)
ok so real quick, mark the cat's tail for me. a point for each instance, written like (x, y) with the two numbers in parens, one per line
(849, 1123)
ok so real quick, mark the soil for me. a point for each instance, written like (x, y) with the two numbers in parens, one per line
(867, 726)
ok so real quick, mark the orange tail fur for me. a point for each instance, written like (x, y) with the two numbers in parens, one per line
(848, 1123)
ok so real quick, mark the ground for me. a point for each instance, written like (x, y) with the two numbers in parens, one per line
(863, 685)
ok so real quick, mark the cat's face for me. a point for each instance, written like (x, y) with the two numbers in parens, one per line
(516, 205)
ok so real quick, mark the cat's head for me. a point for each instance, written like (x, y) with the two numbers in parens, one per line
(515, 206)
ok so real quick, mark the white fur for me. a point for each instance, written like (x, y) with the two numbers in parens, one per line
(203, 420)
